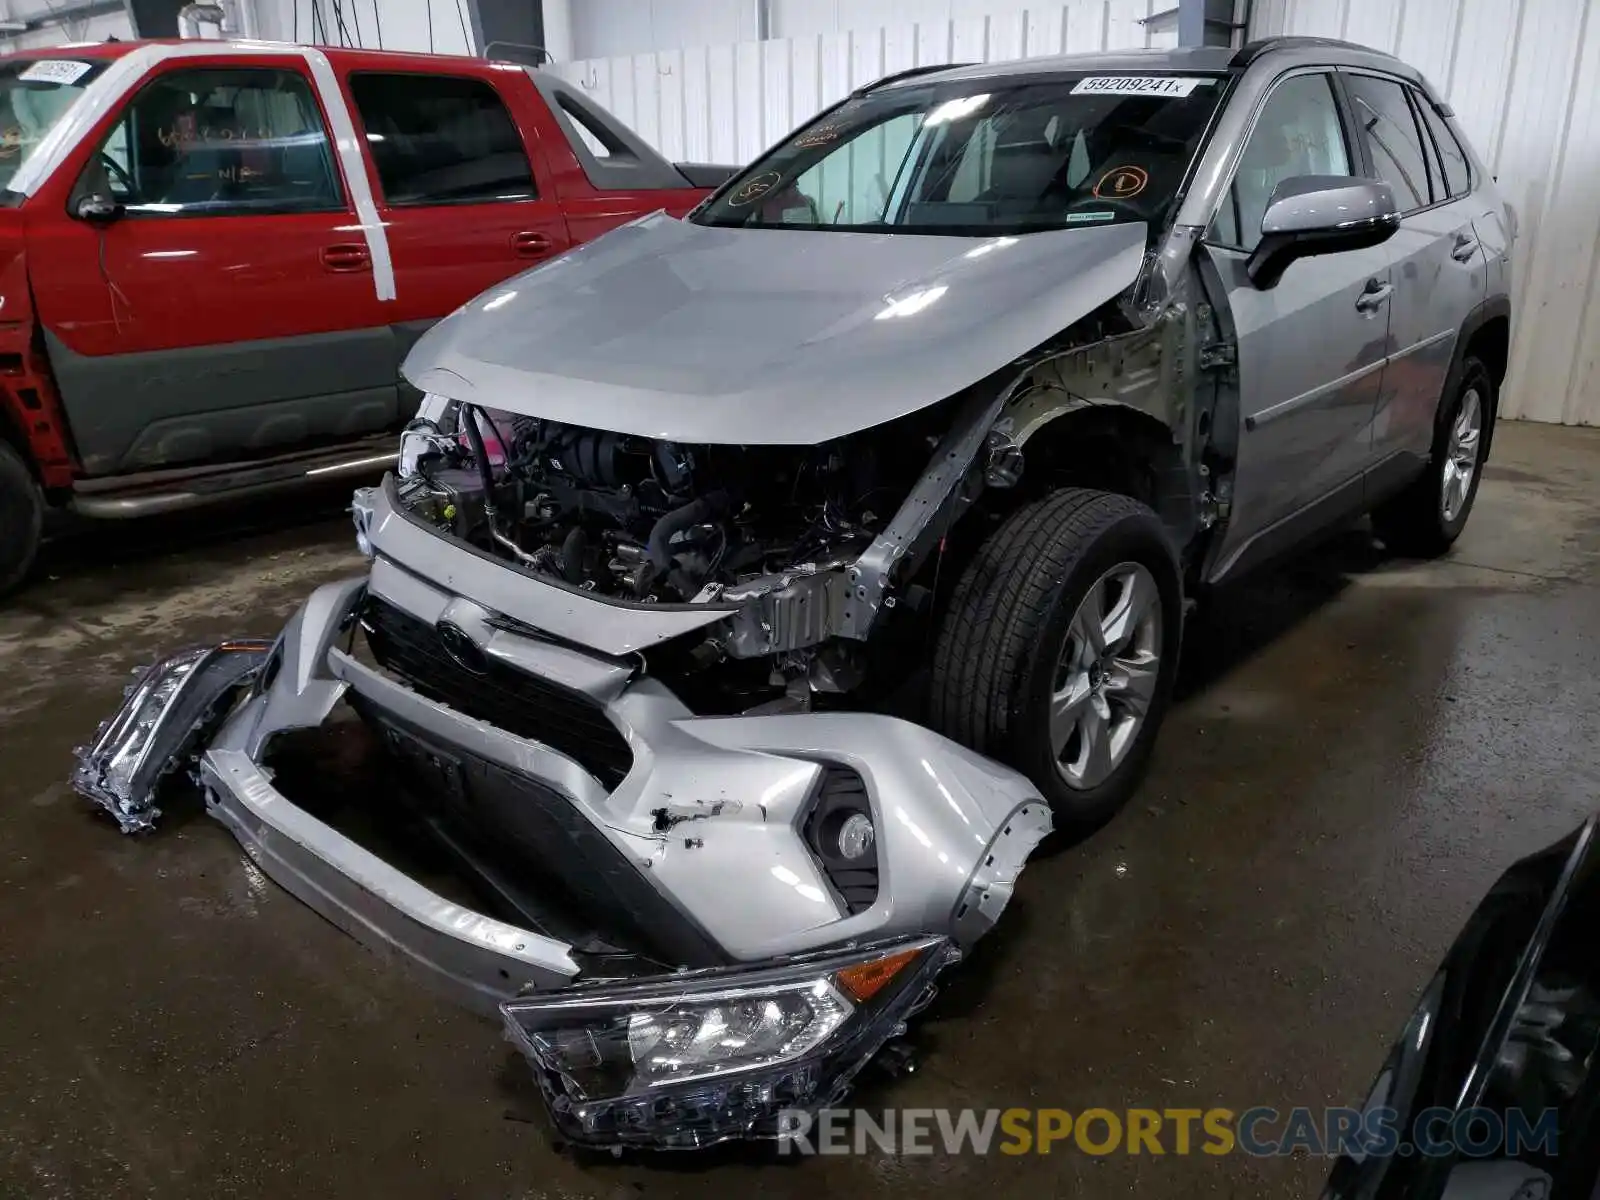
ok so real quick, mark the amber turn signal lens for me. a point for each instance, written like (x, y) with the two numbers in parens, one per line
(865, 980)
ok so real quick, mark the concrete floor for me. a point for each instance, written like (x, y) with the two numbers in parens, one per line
(1360, 747)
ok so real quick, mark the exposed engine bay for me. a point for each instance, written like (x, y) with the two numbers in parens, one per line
(772, 533)
(654, 521)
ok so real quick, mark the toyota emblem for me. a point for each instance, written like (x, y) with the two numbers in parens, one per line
(463, 651)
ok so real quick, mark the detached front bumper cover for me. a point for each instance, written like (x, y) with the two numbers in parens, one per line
(670, 1061)
(702, 1057)
(164, 719)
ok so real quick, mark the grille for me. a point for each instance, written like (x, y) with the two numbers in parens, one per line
(503, 696)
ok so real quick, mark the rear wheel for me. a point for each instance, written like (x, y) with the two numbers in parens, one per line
(1059, 649)
(21, 518)
(1424, 520)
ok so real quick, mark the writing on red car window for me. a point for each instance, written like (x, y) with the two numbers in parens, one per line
(189, 135)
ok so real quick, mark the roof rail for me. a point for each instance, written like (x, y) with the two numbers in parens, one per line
(1254, 50)
(908, 73)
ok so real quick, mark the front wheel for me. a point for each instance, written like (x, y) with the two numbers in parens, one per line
(1059, 649)
(21, 518)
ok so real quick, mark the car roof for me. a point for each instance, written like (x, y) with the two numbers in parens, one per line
(344, 54)
(1206, 60)
(96, 50)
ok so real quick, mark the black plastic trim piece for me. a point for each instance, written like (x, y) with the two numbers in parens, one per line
(841, 794)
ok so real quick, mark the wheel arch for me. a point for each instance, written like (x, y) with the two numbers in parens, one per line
(1112, 447)
(1486, 336)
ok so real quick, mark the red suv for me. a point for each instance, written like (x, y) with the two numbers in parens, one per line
(213, 256)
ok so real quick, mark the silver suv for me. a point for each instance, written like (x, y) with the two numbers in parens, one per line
(755, 591)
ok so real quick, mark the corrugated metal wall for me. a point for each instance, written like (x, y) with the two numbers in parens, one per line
(728, 103)
(67, 29)
(1523, 75)
(1524, 79)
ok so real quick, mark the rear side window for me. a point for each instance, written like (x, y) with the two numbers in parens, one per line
(1457, 172)
(219, 142)
(1392, 136)
(439, 139)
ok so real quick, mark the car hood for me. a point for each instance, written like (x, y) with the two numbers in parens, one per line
(667, 329)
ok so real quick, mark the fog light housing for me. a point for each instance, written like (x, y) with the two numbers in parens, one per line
(855, 837)
(704, 1056)
(840, 832)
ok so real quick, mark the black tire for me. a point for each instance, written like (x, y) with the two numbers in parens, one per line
(21, 519)
(1413, 522)
(1000, 644)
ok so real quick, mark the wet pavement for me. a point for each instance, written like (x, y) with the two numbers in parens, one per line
(1361, 745)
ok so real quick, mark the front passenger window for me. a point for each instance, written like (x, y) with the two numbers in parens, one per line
(1297, 133)
(219, 142)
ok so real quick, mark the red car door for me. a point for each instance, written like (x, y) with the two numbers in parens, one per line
(230, 308)
(462, 191)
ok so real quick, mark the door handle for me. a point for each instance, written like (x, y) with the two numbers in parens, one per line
(1376, 293)
(1466, 248)
(348, 256)
(528, 244)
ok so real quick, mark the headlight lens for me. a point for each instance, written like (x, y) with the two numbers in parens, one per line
(701, 1040)
(687, 1039)
(147, 704)
(701, 1056)
(161, 717)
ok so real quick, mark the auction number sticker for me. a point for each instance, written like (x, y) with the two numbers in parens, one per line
(1137, 85)
(54, 70)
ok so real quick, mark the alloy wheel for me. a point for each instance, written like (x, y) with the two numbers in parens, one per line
(1106, 675)
(1461, 455)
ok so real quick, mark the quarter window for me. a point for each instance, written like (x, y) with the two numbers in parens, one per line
(1297, 133)
(437, 139)
(1457, 173)
(1393, 138)
(218, 143)
(594, 137)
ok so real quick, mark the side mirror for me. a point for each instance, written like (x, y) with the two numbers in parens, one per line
(1320, 214)
(97, 207)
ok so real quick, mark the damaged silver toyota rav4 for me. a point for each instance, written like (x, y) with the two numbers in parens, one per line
(755, 591)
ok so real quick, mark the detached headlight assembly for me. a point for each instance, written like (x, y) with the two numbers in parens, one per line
(162, 717)
(700, 1057)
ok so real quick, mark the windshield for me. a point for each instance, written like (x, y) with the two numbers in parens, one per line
(35, 93)
(981, 156)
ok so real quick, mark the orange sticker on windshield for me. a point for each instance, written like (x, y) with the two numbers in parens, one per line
(752, 190)
(1121, 183)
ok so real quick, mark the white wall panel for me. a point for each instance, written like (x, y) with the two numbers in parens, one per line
(727, 102)
(610, 28)
(73, 29)
(1523, 77)
(440, 26)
